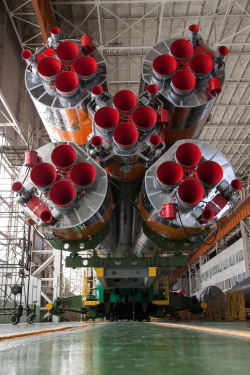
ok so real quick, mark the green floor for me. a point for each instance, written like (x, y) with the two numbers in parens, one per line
(127, 348)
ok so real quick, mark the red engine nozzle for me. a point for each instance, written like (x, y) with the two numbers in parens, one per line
(181, 49)
(201, 65)
(106, 119)
(85, 67)
(125, 136)
(144, 118)
(236, 185)
(164, 66)
(55, 33)
(67, 51)
(17, 187)
(97, 91)
(43, 175)
(169, 174)
(96, 141)
(67, 83)
(155, 140)
(207, 214)
(125, 101)
(223, 51)
(48, 68)
(83, 175)
(209, 173)
(46, 216)
(183, 82)
(152, 89)
(63, 156)
(190, 193)
(62, 194)
(188, 155)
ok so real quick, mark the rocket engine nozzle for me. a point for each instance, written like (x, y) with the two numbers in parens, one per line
(48, 68)
(125, 101)
(188, 155)
(209, 173)
(97, 141)
(96, 92)
(125, 136)
(236, 185)
(164, 66)
(144, 118)
(17, 187)
(63, 156)
(182, 49)
(63, 194)
(106, 119)
(67, 84)
(43, 176)
(169, 174)
(46, 216)
(55, 33)
(201, 65)
(154, 140)
(85, 67)
(207, 214)
(67, 51)
(183, 82)
(83, 175)
(190, 193)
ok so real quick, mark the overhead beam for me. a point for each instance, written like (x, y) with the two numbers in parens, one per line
(44, 17)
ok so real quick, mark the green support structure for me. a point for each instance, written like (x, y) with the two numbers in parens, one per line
(77, 261)
(75, 246)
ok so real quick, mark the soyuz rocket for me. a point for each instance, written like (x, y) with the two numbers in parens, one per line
(124, 174)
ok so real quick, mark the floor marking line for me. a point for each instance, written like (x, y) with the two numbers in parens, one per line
(207, 329)
(41, 332)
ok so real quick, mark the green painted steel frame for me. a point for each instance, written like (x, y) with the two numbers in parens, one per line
(77, 261)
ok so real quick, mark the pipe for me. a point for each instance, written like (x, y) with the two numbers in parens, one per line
(96, 92)
(46, 216)
(125, 136)
(67, 84)
(207, 214)
(188, 155)
(31, 158)
(236, 185)
(183, 82)
(63, 156)
(55, 33)
(106, 119)
(85, 68)
(97, 142)
(67, 51)
(181, 49)
(209, 173)
(164, 66)
(43, 176)
(83, 175)
(144, 118)
(125, 101)
(190, 193)
(193, 33)
(169, 174)
(62, 194)
(201, 65)
(48, 68)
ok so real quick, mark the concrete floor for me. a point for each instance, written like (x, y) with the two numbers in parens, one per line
(130, 348)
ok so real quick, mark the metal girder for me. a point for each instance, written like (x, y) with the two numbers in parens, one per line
(44, 265)
(77, 261)
(44, 17)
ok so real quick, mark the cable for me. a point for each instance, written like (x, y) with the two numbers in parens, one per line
(194, 234)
